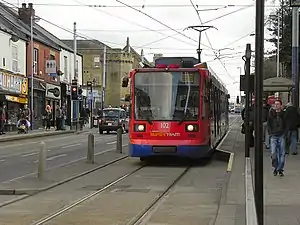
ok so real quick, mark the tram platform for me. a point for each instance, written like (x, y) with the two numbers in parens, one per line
(281, 194)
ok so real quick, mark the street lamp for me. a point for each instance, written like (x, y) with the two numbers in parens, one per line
(32, 20)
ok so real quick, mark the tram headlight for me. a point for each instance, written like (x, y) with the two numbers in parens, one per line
(139, 128)
(191, 128)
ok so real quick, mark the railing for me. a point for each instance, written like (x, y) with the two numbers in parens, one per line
(251, 216)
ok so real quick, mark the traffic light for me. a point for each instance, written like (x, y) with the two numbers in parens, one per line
(74, 90)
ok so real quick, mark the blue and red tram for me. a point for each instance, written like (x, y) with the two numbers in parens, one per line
(178, 108)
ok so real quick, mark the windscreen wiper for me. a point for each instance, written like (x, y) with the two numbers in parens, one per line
(182, 119)
(149, 121)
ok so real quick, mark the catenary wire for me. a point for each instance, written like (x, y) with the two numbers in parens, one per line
(223, 65)
(145, 5)
(137, 24)
(161, 23)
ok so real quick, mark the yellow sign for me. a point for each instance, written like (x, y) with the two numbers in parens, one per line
(16, 99)
(14, 83)
(164, 134)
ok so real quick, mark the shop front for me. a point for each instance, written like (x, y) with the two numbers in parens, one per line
(53, 97)
(14, 95)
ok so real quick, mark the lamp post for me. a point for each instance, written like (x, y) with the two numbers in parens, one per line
(32, 20)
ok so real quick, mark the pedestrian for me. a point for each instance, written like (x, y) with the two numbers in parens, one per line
(251, 123)
(2, 118)
(47, 116)
(277, 131)
(58, 115)
(292, 118)
(265, 113)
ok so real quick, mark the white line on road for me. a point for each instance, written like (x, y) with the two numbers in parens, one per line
(53, 157)
(70, 146)
(57, 156)
(29, 154)
(61, 165)
(2, 160)
(110, 143)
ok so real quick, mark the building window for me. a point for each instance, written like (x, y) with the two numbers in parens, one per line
(66, 66)
(35, 61)
(52, 57)
(77, 65)
(15, 59)
(3, 62)
(96, 61)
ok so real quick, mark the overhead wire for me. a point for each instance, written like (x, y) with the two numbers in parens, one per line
(209, 42)
(137, 24)
(158, 21)
(144, 5)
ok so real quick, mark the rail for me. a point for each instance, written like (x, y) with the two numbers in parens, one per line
(251, 216)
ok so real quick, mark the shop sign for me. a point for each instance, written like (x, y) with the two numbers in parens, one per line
(16, 99)
(13, 83)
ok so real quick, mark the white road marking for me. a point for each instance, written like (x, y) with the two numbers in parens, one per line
(70, 146)
(29, 154)
(53, 157)
(57, 156)
(110, 143)
(60, 165)
(2, 160)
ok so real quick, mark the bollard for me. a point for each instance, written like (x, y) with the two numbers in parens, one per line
(42, 161)
(91, 149)
(119, 140)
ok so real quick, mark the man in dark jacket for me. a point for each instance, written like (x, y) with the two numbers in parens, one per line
(265, 114)
(292, 119)
(251, 122)
(277, 131)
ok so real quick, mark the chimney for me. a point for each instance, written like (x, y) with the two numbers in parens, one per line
(26, 12)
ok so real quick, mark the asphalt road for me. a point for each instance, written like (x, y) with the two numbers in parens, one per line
(20, 158)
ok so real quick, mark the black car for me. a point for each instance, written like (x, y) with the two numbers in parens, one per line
(113, 119)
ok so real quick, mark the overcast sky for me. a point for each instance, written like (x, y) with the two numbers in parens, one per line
(112, 25)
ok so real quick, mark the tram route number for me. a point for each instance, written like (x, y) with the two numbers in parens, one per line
(165, 125)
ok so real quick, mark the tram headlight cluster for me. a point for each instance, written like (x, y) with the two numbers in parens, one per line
(139, 128)
(191, 128)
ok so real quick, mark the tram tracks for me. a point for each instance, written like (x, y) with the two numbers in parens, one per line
(140, 218)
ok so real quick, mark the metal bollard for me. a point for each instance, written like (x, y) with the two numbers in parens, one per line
(119, 140)
(42, 161)
(91, 149)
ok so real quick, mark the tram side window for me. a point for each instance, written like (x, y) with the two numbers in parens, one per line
(204, 99)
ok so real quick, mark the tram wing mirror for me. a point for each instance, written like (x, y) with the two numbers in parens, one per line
(125, 82)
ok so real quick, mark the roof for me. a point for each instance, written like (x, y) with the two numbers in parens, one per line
(11, 20)
(86, 44)
(127, 48)
(10, 23)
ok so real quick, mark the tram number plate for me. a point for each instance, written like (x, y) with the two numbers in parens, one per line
(109, 124)
(164, 149)
(165, 125)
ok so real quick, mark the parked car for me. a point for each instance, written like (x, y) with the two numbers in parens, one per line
(113, 119)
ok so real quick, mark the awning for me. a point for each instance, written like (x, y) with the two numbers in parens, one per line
(278, 84)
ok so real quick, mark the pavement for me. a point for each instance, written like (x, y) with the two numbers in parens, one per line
(282, 194)
(232, 206)
(13, 136)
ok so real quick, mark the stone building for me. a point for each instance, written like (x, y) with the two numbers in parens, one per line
(119, 62)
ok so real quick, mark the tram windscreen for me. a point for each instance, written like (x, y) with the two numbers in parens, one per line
(167, 96)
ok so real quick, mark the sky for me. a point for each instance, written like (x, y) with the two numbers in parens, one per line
(165, 32)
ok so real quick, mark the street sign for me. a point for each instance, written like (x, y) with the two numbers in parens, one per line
(294, 3)
(50, 66)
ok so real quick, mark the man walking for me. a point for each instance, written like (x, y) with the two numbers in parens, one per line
(265, 111)
(277, 132)
(2, 118)
(292, 119)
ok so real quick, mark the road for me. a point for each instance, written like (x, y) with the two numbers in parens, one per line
(20, 158)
